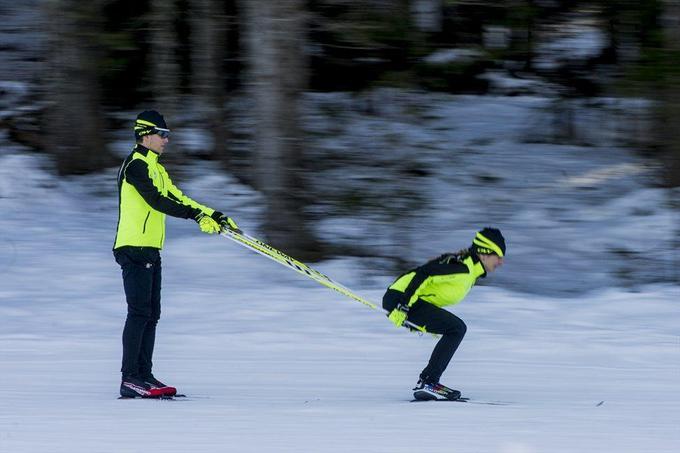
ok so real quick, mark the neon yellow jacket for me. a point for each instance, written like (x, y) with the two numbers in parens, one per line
(442, 281)
(146, 195)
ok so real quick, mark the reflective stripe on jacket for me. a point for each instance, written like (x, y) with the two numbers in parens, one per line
(442, 281)
(146, 194)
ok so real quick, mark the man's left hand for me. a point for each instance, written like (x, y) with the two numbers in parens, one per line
(225, 221)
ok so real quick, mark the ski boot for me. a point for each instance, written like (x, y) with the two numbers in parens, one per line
(425, 391)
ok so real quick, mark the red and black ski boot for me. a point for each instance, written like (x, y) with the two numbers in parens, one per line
(134, 387)
(158, 385)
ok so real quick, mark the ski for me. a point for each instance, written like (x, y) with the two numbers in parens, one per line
(276, 255)
(464, 400)
(152, 398)
(178, 397)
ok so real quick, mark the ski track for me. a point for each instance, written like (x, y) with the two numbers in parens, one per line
(341, 386)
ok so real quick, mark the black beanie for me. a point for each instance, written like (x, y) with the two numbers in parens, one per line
(489, 241)
(148, 122)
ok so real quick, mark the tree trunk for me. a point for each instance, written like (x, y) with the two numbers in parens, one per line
(669, 95)
(210, 26)
(427, 15)
(74, 123)
(668, 118)
(164, 77)
(276, 35)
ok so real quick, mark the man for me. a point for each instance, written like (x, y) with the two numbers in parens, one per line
(146, 196)
(420, 294)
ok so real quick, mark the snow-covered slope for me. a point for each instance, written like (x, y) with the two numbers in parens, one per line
(432, 168)
(278, 364)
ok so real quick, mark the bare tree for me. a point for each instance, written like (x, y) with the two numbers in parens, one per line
(164, 77)
(668, 94)
(667, 115)
(211, 20)
(427, 15)
(74, 121)
(276, 36)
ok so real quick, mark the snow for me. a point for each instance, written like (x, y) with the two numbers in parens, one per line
(276, 363)
(488, 160)
(22, 37)
(448, 56)
(576, 40)
(501, 82)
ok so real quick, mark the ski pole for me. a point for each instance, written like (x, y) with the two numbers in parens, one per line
(276, 255)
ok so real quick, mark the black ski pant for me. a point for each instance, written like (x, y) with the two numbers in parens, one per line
(142, 282)
(435, 320)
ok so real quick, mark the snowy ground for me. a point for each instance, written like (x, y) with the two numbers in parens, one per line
(277, 364)
(592, 378)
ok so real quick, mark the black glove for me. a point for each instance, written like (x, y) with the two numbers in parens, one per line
(225, 221)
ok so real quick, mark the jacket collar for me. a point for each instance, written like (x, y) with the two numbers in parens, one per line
(144, 151)
(475, 266)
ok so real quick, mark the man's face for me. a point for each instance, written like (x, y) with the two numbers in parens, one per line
(155, 143)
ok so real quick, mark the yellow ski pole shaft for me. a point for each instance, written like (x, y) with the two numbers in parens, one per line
(276, 255)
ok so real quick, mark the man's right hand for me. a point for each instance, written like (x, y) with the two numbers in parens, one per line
(207, 223)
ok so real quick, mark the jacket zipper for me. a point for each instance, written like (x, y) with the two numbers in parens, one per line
(147, 218)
